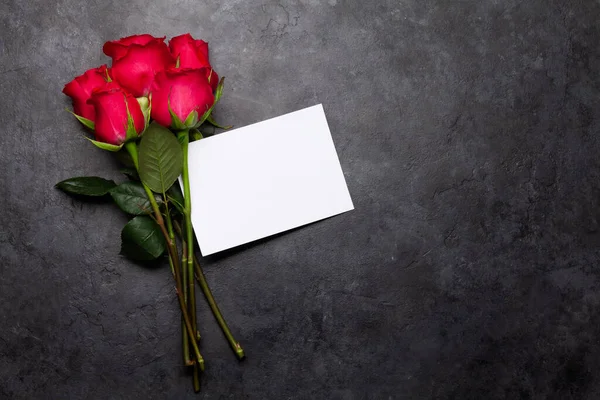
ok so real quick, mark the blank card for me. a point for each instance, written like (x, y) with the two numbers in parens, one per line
(265, 178)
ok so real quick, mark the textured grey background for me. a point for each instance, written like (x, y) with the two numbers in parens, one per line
(468, 133)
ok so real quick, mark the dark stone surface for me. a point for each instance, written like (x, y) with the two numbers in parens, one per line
(469, 135)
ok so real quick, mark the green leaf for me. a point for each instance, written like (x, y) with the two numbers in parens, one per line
(86, 186)
(211, 121)
(131, 173)
(175, 196)
(160, 158)
(131, 198)
(141, 239)
(88, 123)
(106, 146)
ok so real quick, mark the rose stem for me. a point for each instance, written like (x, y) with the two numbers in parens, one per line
(184, 336)
(187, 208)
(185, 344)
(191, 287)
(213, 304)
(132, 149)
(196, 377)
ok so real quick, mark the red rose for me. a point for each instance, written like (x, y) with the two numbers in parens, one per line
(80, 90)
(118, 48)
(111, 113)
(136, 60)
(193, 53)
(186, 90)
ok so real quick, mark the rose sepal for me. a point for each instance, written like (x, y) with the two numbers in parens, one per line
(86, 122)
(214, 123)
(131, 134)
(146, 107)
(105, 146)
(176, 123)
(190, 122)
(218, 94)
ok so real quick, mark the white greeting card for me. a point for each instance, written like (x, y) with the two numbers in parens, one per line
(265, 178)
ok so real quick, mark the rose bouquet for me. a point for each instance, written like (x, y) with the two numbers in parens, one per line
(146, 108)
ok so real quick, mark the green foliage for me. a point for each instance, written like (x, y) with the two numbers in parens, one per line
(160, 158)
(142, 240)
(86, 186)
(131, 198)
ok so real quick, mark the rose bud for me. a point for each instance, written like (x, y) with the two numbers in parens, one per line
(136, 60)
(193, 53)
(187, 93)
(111, 104)
(80, 90)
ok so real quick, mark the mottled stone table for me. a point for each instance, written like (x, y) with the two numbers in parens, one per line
(468, 132)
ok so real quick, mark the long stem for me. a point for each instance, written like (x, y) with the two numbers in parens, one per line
(170, 229)
(237, 348)
(235, 345)
(187, 198)
(196, 378)
(188, 323)
(132, 149)
(184, 336)
(184, 283)
(191, 287)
